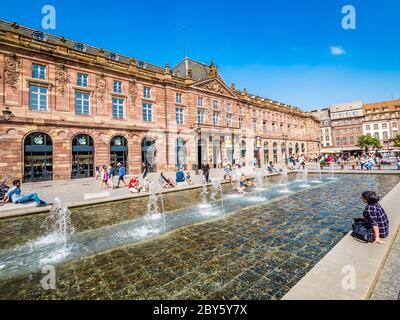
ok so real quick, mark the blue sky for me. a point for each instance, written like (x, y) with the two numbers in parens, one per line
(278, 49)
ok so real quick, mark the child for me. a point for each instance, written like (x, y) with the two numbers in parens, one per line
(188, 179)
(242, 184)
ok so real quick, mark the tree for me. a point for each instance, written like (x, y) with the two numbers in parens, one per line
(397, 140)
(367, 141)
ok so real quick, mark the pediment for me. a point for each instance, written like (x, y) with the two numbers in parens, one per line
(214, 85)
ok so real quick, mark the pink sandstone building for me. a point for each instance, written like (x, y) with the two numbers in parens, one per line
(68, 107)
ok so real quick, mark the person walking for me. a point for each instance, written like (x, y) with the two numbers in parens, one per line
(206, 171)
(121, 174)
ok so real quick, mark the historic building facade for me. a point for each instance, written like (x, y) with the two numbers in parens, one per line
(325, 124)
(67, 107)
(382, 120)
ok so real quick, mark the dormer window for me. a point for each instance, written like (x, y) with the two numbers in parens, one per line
(80, 47)
(38, 35)
(112, 56)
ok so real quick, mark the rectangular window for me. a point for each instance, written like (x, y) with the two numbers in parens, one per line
(216, 118)
(229, 120)
(367, 127)
(38, 71)
(200, 101)
(344, 140)
(394, 134)
(38, 98)
(117, 86)
(178, 98)
(254, 124)
(228, 107)
(327, 138)
(147, 112)
(200, 117)
(385, 135)
(82, 103)
(394, 124)
(376, 126)
(376, 135)
(82, 80)
(241, 123)
(215, 104)
(147, 92)
(179, 115)
(264, 126)
(337, 141)
(117, 108)
(384, 125)
(351, 140)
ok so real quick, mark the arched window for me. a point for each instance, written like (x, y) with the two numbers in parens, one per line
(266, 153)
(290, 149)
(275, 152)
(149, 153)
(119, 151)
(181, 161)
(243, 150)
(38, 157)
(82, 156)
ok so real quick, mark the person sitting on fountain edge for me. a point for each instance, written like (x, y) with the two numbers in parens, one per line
(134, 185)
(188, 179)
(271, 168)
(166, 182)
(375, 216)
(180, 176)
(16, 197)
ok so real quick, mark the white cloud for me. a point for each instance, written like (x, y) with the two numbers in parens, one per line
(337, 51)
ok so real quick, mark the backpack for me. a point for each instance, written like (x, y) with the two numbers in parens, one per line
(362, 231)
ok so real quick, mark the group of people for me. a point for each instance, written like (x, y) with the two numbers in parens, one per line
(366, 161)
(106, 176)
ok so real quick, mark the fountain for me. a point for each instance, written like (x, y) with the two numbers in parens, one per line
(319, 180)
(284, 181)
(332, 177)
(58, 225)
(155, 196)
(216, 185)
(204, 193)
(305, 179)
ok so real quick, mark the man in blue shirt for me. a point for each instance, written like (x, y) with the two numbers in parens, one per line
(180, 176)
(121, 174)
(16, 197)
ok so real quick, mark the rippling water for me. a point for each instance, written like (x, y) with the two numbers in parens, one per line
(255, 246)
